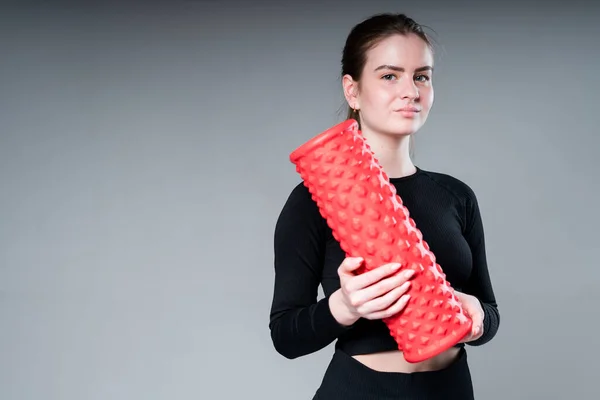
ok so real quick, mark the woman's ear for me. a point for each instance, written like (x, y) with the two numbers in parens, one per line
(350, 87)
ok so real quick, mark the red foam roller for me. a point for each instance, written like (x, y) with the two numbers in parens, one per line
(369, 220)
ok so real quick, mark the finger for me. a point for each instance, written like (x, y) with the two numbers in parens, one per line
(375, 275)
(476, 316)
(475, 327)
(369, 278)
(478, 325)
(348, 265)
(385, 301)
(384, 286)
(393, 310)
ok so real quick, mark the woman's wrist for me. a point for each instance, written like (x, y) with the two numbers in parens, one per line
(339, 310)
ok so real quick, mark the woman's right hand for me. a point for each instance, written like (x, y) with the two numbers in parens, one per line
(375, 294)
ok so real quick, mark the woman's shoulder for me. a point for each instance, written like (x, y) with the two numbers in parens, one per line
(458, 186)
(300, 196)
(300, 204)
(300, 215)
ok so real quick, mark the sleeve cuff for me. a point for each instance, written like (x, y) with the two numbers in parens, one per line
(325, 321)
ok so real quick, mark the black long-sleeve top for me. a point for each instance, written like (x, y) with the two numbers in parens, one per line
(306, 255)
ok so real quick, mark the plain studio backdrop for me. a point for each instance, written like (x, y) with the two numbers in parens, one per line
(144, 161)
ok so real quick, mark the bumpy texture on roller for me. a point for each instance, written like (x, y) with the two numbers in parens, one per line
(368, 219)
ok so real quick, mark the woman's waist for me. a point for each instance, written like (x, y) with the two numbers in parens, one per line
(394, 361)
(370, 343)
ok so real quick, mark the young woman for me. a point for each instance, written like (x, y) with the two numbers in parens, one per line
(387, 68)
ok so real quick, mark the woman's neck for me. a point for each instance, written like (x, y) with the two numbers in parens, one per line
(392, 152)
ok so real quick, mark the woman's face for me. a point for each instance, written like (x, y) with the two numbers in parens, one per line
(396, 91)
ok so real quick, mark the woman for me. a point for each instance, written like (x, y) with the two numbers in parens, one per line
(387, 68)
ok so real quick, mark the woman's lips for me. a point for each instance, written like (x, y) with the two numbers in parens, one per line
(408, 112)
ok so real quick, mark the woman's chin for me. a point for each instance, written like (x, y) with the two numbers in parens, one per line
(403, 129)
(398, 126)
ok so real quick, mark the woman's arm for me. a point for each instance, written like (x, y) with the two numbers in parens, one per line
(300, 324)
(479, 284)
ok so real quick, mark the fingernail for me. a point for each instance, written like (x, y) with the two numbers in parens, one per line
(409, 273)
(395, 266)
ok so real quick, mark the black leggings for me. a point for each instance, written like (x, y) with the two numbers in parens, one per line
(348, 379)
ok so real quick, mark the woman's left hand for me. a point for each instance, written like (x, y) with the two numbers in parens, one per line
(472, 307)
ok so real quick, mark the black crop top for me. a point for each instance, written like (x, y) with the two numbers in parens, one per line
(306, 256)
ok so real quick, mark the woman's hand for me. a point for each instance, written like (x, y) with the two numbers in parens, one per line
(375, 294)
(472, 307)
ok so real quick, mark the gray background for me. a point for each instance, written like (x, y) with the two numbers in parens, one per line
(144, 161)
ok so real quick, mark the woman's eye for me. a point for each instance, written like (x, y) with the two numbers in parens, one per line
(388, 76)
(423, 78)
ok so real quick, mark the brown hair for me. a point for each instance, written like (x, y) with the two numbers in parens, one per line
(366, 35)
